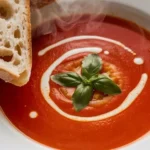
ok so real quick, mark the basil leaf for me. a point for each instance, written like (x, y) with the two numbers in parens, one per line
(82, 96)
(91, 65)
(68, 79)
(106, 85)
(93, 78)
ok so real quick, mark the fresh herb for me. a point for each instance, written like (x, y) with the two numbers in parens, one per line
(90, 80)
(91, 65)
(68, 79)
(106, 85)
(82, 96)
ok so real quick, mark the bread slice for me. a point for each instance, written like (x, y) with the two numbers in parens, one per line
(15, 41)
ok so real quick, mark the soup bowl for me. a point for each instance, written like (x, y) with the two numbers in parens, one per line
(47, 20)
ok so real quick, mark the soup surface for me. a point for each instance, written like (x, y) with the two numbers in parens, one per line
(43, 110)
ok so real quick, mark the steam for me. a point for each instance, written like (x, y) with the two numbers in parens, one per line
(65, 14)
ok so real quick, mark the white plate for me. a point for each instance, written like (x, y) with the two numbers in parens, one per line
(11, 139)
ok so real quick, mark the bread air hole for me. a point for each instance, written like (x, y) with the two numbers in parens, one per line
(8, 26)
(18, 49)
(6, 54)
(6, 58)
(17, 1)
(21, 44)
(16, 11)
(17, 33)
(7, 44)
(16, 62)
(6, 10)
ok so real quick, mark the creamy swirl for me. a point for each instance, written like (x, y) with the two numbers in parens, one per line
(75, 38)
(45, 87)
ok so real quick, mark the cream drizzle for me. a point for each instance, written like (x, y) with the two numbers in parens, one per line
(106, 52)
(45, 89)
(75, 38)
(33, 114)
(138, 61)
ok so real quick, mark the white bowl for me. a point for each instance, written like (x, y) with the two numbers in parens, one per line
(135, 10)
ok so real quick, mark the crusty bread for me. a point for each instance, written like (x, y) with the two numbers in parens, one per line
(15, 41)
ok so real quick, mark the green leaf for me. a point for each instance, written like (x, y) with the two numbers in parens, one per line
(91, 65)
(106, 85)
(82, 96)
(93, 78)
(68, 79)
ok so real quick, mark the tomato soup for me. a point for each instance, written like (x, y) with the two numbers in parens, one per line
(43, 110)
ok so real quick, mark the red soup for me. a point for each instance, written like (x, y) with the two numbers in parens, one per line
(44, 110)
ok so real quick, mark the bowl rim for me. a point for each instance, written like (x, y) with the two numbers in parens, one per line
(10, 137)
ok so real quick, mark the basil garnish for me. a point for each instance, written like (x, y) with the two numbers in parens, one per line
(82, 96)
(91, 65)
(68, 79)
(106, 85)
(90, 80)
